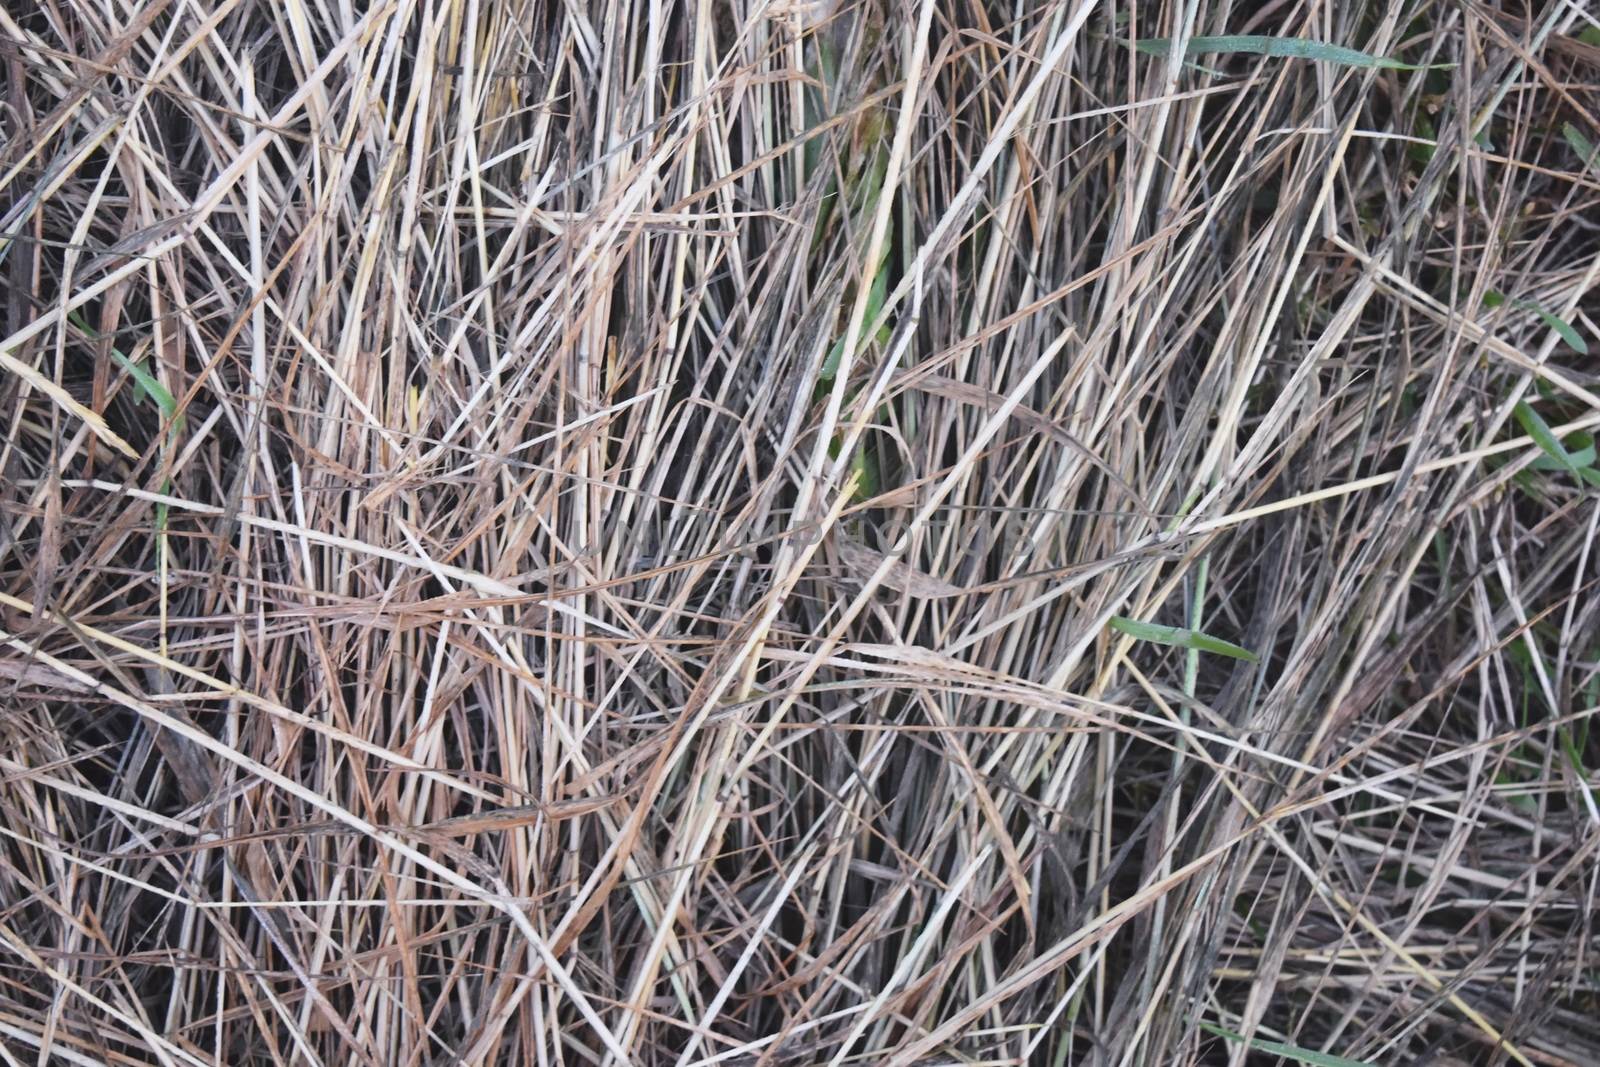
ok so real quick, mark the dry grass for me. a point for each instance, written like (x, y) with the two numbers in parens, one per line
(587, 533)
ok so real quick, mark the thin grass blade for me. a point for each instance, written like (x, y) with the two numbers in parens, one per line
(1180, 637)
(1282, 48)
(1291, 1052)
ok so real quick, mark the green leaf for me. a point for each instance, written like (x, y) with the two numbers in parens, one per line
(148, 386)
(830, 365)
(876, 295)
(1292, 1052)
(1564, 329)
(1582, 457)
(1182, 638)
(1521, 801)
(1283, 47)
(1423, 153)
(865, 464)
(145, 383)
(1536, 428)
(151, 389)
(1580, 144)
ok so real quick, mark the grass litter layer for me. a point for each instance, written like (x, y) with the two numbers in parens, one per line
(793, 533)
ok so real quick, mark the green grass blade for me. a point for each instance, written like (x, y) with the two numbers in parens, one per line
(865, 464)
(1535, 427)
(830, 365)
(1181, 638)
(147, 385)
(1583, 457)
(1579, 143)
(1291, 1052)
(1284, 48)
(1564, 329)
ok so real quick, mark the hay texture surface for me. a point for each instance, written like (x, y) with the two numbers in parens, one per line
(754, 532)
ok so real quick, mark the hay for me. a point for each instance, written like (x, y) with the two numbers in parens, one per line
(620, 532)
